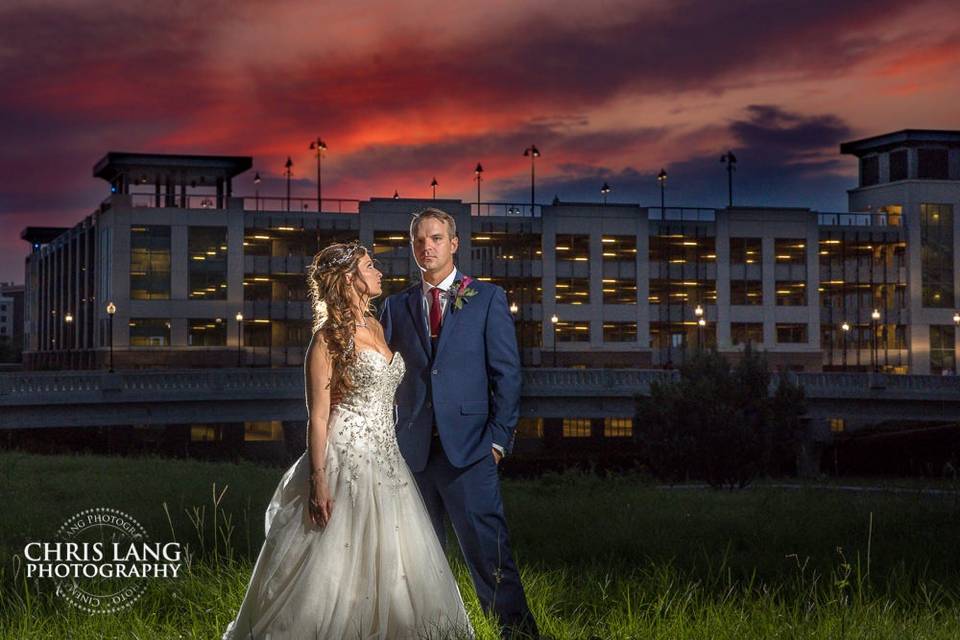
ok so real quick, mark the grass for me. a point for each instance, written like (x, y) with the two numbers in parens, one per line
(612, 557)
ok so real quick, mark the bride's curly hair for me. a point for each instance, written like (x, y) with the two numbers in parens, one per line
(330, 297)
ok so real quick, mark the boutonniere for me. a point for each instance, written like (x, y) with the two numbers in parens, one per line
(461, 292)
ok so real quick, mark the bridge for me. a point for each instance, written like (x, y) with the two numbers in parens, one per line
(30, 400)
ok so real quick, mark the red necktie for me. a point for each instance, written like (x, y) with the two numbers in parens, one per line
(435, 313)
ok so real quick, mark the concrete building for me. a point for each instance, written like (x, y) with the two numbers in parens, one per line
(179, 257)
(11, 320)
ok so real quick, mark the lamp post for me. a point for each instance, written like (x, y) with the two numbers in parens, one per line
(701, 323)
(256, 189)
(604, 190)
(731, 161)
(554, 320)
(875, 317)
(533, 153)
(956, 323)
(319, 146)
(288, 172)
(846, 329)
(662, 179)
(111, 309)
(433, 185)
(239, 339)
(478, 176)
(68, 343)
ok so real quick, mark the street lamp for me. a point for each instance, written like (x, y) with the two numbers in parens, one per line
(701, 323)
(433, 185)
(533, 153)
(256, 189)
(478, 176)
(320, 146)
(554, 320)
(68, 343)
(111, 309)
(239, 338)
(604, 190)
(875, 316)
(846, 329)
(731, 161)
(662, 179)
(514, 308)
(288, 172)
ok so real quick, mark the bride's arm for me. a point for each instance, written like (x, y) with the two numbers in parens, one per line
(318, 371)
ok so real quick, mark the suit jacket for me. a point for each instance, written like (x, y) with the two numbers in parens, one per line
(475, 375)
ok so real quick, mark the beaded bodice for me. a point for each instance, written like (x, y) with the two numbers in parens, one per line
(364, 428)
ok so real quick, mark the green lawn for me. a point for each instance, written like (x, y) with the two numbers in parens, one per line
(602, 558)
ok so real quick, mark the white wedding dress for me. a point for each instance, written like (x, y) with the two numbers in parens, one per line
(377, 570)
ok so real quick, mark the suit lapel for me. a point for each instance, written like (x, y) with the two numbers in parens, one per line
(415, 306)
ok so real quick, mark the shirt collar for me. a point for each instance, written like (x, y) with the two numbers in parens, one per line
(444, 285)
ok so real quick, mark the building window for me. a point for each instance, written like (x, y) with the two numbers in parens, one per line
(206, 433)
(572, 247)
(391, 251)
(149, 332)
(530, 428)
(690, 247)
(791, 333)
(745, 250)
(572, 331)
(149, 262)
(619, 331)
(619, 291)
(207, 271)
(837, 425)
(617, 427)
(936, 267)
(790, 251)
(257, 288)
(522, 290)
(746, 292)
(932, 164)
(496, 243)
(869, 171)
(791, 293)
(744, 332)
(210, 332)
(573, 291)
(942, 354)
(263, 431)
(257, 334)
(619, 248)
(898, 165)
(576, 428)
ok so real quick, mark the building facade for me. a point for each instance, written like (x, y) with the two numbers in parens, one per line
(200, 277)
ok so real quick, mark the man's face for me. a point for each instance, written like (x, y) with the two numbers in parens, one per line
(433, 247)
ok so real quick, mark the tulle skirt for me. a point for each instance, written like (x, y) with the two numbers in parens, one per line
(376, 571)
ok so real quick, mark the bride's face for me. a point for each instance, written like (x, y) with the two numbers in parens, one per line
(366, 280)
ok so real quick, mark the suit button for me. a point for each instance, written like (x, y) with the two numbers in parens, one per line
(435, 372)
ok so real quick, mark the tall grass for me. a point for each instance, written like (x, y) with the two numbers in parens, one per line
(601, 558)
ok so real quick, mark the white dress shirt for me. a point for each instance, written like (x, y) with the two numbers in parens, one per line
(427, 298)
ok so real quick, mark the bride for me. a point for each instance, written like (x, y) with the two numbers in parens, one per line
(350, 552)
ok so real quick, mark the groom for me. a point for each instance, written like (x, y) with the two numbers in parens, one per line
(458, 406)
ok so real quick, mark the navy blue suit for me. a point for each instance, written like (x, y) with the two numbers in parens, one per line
(465, 387)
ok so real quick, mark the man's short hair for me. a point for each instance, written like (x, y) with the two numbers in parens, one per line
(436, 214)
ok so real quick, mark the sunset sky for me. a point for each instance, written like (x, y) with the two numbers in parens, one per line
(402, 92)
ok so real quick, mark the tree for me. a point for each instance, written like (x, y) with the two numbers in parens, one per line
(720, 423)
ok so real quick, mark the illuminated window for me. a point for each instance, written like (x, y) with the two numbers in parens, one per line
(617, 427)
(745, 250)
(619, 291)
(206, 433)
(790, 251)
(149, 332)
(791, 293)
(619, 248)
(572, 331)
(207, 263)
(573, 291)
(619, 331)
(530, 428)
(936, 267)
(266, 430)
(837, 425)
(576, 428)
(942, 349)
(746, 292)
(572, 247)
(207, 332)
(149, 262)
